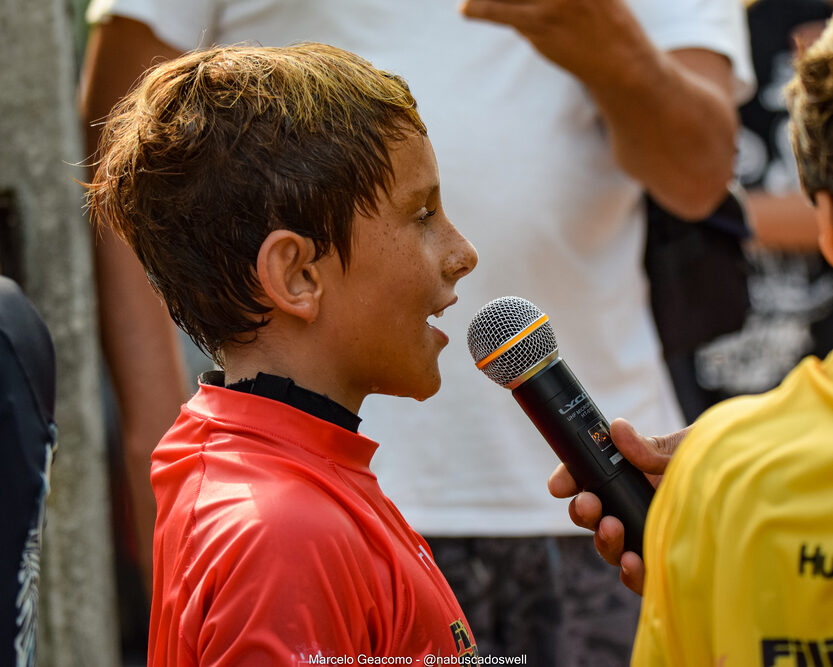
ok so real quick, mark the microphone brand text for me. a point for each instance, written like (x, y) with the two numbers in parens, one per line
(578, 400)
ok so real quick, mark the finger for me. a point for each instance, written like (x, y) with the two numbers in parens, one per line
(508, 12)
(650, 455)
(586, 510)
(609, 539)
(632, 572)
(667, 444)
(561, 483)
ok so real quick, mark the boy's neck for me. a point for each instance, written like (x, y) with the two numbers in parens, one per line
(283, 389)
(306, 370)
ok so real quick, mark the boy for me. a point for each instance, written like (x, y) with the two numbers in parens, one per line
(285, 203)
(739, 538)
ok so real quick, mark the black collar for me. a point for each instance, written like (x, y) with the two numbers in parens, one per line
(286, 391)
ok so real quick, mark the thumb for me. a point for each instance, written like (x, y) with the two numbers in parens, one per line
(496, 11)
(649, 454)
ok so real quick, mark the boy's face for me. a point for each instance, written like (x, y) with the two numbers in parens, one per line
(405, 262)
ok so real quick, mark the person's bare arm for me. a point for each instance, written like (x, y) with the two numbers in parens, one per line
(671, 116)
(782, 222)
(138, 337)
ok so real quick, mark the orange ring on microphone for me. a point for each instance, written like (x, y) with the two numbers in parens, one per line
(485, 361)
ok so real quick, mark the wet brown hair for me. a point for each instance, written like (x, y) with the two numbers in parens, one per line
(215, 149)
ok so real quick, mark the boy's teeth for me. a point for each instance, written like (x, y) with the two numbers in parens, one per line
(439, 314)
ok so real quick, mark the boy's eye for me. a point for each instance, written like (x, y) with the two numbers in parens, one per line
(427, 214)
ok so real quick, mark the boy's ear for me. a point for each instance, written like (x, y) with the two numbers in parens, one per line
(289, 275)
(824, 217)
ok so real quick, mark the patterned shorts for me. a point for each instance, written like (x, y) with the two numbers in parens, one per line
(552, 599)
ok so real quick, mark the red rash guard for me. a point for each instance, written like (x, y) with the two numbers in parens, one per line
(274, 545)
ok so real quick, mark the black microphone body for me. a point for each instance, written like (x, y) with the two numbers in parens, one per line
(578, 433)
(511, 341)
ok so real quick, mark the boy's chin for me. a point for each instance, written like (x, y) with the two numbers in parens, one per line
(419, 392)
(425, 397)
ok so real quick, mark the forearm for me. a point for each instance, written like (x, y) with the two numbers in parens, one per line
(670, 116)
(672, 125)
(138, 337)
(783, 222)
(118, 53)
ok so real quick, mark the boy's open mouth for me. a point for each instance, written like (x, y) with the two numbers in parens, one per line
(441, 311)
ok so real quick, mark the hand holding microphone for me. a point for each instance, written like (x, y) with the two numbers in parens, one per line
(512, 342)
(651, 456)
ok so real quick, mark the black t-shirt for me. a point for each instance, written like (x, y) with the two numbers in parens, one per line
(772, 24)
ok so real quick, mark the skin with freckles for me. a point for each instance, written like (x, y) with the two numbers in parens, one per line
(407, 260)
(312, 243)
(367, 328)
(285, 203)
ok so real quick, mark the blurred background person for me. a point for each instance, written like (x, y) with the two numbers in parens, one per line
(790, 285)
(548, 135)
(738, 566)
(146, 378)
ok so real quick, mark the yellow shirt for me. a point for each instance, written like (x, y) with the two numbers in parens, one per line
(739, 538)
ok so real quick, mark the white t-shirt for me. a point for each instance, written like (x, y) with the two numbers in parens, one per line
(528, 176)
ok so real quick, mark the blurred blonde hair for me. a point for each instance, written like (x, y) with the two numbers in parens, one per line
(810, 101)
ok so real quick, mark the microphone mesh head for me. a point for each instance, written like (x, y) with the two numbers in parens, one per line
(499, 321)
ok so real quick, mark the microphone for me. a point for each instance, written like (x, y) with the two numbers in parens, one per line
(512, 342)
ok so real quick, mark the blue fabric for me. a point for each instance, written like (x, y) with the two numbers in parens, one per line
(27, 436)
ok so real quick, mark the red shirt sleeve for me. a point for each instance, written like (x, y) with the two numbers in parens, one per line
(290, 584)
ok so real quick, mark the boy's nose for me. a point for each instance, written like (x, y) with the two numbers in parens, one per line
(462, 256)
